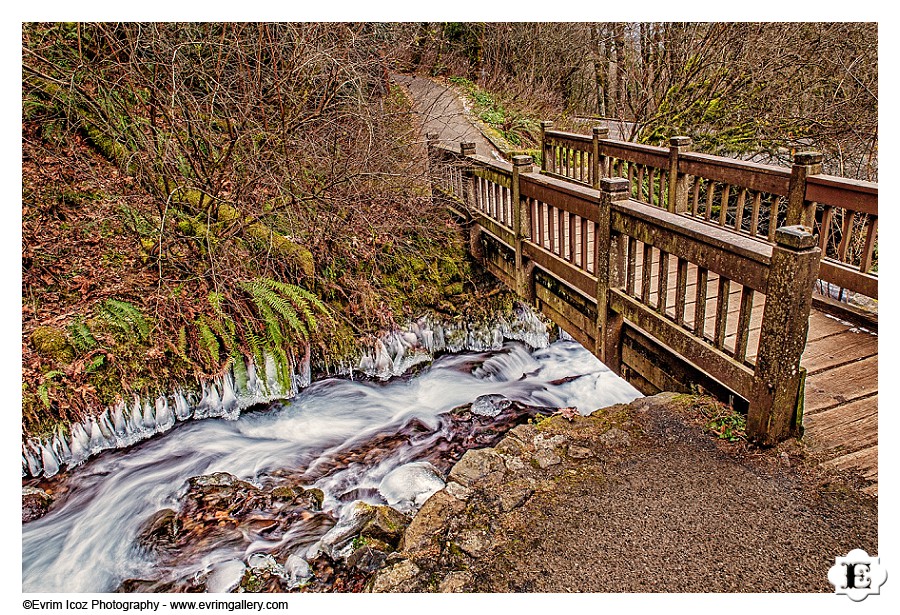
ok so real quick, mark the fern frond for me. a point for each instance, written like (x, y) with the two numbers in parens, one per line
(208, 341)
(125, 317)
(81, 337)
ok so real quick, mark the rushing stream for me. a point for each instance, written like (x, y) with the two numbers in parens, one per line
(88, 540)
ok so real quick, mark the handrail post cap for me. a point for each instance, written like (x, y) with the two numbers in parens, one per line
(796, 237)
(522, 161)
(614, 184)
(546, 124)
(431, 136)
(808, 158)
(680, 141)
(601, 131)
(467, 147)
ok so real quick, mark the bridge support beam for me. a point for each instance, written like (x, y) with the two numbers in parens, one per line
(608, 264)
(805, 164)
(522, 227)
(774, 410)
(678, 182)
(599, 169)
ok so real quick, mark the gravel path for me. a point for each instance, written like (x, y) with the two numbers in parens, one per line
(442, 112)
(676, 512)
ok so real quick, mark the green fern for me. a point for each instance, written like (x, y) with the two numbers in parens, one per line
(287, 313)
(208, 340)
(81, 337)
(44, 389)
(98, 362)
(125, 317)
(182, 343)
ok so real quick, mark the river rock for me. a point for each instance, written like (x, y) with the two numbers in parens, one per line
(161, 530)
(455, 582)
(423, 533)
(475, 465)
(367, 559)
(395, 578)
(35, 503)
(546, 458)
(387, 525)
(579, 452)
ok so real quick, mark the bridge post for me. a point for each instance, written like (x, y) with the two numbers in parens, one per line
(546, 154)
(467, 148)
(598, 165)
(778, 376)
(805, 164)
(607, 259)
(678, 182)
(522, 227)
(431, 139)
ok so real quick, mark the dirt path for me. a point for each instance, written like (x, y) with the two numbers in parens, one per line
(443, 113)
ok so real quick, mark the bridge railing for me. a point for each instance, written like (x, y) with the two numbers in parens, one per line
(733, 306)
(747, 198)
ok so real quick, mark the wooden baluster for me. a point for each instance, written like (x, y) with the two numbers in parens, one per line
(846, 233)
(632, 265)
(825, 228)
(663, 193)
(700, 302)
(695, 205)
(640, 183)
(631, 179)
(773, 217)
(551, 226)
(584, 243)
(662, 285)
(680, 289)
(739, 214)
(743, 331)
(754, 214)
(651, 186)
(540, 222)
(560, 219)
(572, 238)
(710, 194)
(869, 246)
(723, 211)
(722, 311)
(646, 274)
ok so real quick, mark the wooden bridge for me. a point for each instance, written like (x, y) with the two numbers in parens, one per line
(681, 269)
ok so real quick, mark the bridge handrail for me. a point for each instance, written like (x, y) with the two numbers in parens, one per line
(748, 198)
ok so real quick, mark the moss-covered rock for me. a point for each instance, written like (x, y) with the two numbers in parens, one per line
(52, 343)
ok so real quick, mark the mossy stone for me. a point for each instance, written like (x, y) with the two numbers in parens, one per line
(52, 343)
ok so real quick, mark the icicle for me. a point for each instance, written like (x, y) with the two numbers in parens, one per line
(366, 364)
(79, 445)
(62, 448)
(119, 419)
(164, 417)
(229, 399)
(149, 416)
(106, 426)
(382, 361)
(98, 442)
(252, 381)
(182, 409)
(34, 463)
(49, 461)
(272, 375)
